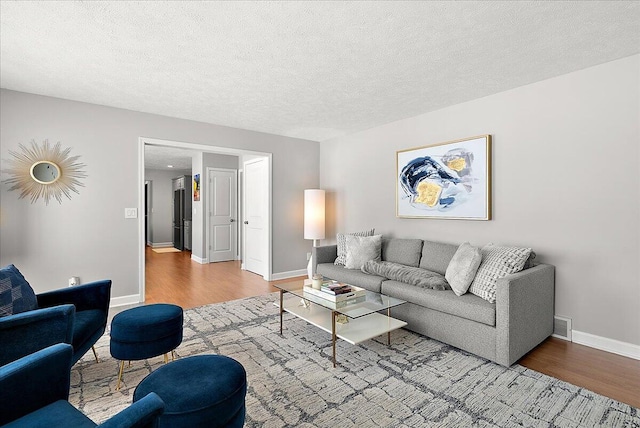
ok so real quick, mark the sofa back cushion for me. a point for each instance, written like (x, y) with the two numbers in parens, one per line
(403, 251)
(436, 256)
(16, 295)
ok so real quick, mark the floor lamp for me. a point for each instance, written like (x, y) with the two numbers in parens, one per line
(313, 220)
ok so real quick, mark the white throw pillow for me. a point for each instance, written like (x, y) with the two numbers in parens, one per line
(497, 262)
(463, 267)
(342, 245)
(361, 249)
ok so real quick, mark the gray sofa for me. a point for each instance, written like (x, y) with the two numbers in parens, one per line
(504, 331)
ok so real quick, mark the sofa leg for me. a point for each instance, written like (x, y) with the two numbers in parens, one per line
(95, 354)
(120, 375)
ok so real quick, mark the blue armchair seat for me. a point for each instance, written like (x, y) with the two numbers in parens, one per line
(34, 393)
(74, 315)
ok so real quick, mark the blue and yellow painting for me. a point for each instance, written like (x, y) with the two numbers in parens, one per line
(448, 180)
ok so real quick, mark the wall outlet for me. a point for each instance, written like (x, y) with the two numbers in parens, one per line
(130, 213)
(74, 280)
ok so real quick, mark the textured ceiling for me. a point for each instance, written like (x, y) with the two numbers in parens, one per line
(160, 157)
(313, 70)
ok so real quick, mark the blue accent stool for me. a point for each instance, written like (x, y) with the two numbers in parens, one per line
(146, 331)
(34, 392)
(200, 391)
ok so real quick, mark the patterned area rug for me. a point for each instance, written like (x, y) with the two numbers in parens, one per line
(416, 382)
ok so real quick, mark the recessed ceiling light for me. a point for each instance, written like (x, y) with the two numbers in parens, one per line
(169, 166)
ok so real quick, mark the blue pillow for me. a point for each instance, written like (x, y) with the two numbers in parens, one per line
(16, 295)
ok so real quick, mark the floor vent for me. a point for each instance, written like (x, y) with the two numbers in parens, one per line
(562, 328)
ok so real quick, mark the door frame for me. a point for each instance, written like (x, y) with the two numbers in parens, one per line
(142, 141)
(210, 208)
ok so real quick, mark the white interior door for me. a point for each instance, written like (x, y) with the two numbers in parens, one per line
(223, 197)
(256, 204)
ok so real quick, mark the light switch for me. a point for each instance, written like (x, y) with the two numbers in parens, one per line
(130, 213)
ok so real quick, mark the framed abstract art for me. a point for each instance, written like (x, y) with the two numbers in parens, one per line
(449, 180)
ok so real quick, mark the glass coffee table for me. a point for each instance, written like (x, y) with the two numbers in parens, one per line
(353, 321)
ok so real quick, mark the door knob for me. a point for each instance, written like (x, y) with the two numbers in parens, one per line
(246, 222)
(232, 220)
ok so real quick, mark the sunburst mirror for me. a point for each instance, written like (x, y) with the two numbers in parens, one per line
(41, 171)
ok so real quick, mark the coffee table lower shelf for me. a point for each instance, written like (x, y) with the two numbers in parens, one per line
(357, 330)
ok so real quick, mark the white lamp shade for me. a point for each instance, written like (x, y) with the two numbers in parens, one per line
(314, 214)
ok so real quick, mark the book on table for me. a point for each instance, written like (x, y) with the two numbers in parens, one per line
(354, 292)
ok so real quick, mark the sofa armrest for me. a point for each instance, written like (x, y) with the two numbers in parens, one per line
(27, 332)
(34, 381)
(524, 311)
(141, 414)
(93, 295)
(325, 254)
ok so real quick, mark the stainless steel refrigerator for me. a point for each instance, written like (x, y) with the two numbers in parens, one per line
(182, 212)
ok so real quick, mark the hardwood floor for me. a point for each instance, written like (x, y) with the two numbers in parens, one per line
(174, 278)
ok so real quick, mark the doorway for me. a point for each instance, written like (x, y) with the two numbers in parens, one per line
(265, 248)
(222, 214)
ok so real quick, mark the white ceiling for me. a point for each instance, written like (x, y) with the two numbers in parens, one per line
(160, 157)
(313, 70)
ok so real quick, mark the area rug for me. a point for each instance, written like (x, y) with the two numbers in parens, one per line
(165, 250)
(415, 382)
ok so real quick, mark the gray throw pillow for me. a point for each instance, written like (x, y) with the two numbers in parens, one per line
(497, 262)
(361, 249)
(463, 267)
(342, 245)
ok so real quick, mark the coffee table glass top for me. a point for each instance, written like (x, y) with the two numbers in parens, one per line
(373, 302)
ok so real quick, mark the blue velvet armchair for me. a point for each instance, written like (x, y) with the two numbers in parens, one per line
(75, 315)
(34, 393)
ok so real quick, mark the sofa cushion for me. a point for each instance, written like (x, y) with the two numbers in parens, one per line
(403, 251)
(497, 262)
(436, 256)
(16, 295)
(466, 306)
(86, 323)
(410, 275)
(463, 267)
(350, 276)
(361, 249)
(342, 245)
(57, 414)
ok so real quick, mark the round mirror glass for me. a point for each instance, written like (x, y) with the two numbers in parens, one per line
(45, 172)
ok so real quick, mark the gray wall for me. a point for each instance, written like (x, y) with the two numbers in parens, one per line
(565, 180)
(88, 235)
(162, 203)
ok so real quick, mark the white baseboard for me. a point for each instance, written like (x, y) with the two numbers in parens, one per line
(605, 344)
(199, 260)
(289, 274)
(124, 300)
(161, 244)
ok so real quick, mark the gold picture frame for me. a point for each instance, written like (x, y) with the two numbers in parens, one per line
(450, 180)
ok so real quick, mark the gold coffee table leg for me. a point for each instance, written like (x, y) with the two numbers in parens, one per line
(389, 333)
(333, 335)
(93, 348)
(281, 310)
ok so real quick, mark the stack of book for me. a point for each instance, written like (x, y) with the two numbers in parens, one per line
(336, 291)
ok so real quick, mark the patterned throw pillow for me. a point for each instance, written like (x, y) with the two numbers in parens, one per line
(342, 245)
(497, 262)
(361, 249)
(16, 295)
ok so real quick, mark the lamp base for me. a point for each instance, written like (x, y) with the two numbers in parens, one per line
(310, 267)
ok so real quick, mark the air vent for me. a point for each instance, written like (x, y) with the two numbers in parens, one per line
(562, 328)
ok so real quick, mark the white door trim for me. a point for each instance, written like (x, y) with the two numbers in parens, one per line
(210, 208)
(142, 141)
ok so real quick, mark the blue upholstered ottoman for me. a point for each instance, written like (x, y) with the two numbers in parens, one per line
(145, 332)
(200, 391)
